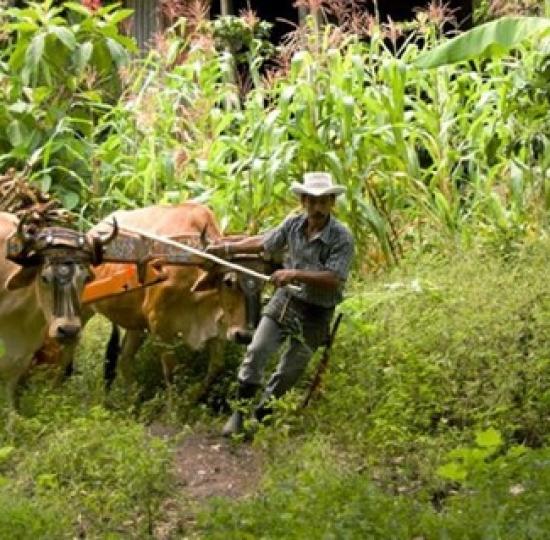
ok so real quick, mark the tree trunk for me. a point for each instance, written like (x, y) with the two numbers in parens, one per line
(226, 7)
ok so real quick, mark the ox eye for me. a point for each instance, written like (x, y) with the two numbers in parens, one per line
(46, 277)
(229, 280)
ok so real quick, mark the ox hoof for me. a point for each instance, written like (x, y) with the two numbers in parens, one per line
(235, 424)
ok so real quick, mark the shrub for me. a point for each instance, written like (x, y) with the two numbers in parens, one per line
(114, 474)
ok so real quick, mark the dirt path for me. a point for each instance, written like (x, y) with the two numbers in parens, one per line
(209, 465)
(206, 465)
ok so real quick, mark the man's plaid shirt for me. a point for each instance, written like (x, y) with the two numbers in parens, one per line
(331, 249)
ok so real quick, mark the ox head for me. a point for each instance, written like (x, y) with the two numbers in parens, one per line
(57, 261)
(240, 296)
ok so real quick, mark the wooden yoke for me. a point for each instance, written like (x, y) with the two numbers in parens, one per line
(143, 258)
(123, 281)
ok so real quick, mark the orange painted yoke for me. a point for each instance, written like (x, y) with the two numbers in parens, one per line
(140, 256)
(123, 281)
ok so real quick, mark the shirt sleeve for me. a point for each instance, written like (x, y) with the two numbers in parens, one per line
(277, 239)
(340, 257)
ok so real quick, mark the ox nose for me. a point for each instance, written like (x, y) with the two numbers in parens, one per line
(67, 331)
(240, 336)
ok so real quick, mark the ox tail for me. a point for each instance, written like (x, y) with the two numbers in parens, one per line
(111, 357)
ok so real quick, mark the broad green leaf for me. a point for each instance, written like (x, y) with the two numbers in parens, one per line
(14, 133)
(452, 471)
(17, 57)
(517, 181)
(23, 26)
(2, 348)
(127, 42)
(82, 55)
(488, 438)
(77, 8)
(38, 94)
(489, 39)
(118, 53)
(19, 107)
(65, 36)
(120, 15)
(35, 52)
(70, 199)
(46, 183)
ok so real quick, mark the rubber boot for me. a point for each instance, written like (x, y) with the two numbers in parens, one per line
(235, 423)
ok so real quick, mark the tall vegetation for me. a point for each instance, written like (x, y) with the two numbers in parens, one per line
(433, 418)
(433, 422)
(454, 149)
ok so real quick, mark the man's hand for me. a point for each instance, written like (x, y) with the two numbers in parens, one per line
(283, 277)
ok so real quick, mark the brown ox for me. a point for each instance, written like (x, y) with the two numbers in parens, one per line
(40, 292)
(194, 306)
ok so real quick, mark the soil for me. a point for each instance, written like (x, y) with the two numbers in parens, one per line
(209, 465)
(206, 465)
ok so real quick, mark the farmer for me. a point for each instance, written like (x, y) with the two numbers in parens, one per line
(320, 249)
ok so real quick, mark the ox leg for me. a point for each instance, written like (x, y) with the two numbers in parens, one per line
(169, 361)
(68, 350)
(112, 353)
(66, 362)
(133, 339)
(11, 393)
(12, 383)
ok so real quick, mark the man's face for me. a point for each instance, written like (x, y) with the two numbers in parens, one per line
(318, 208)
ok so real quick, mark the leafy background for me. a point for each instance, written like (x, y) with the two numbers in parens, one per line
(433, 421)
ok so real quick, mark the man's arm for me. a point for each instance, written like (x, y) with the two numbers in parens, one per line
(271, 241)
(252, 244)
(325, 279)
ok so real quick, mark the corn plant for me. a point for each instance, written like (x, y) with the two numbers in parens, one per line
(461, 149)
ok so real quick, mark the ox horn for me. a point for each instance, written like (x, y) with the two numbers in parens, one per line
(99, 241)
(22, 234)
(109, 237)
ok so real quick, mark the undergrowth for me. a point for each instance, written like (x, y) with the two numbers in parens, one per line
(434, 418)
(432, 422)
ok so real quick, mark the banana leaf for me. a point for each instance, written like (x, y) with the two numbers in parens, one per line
(490, 39)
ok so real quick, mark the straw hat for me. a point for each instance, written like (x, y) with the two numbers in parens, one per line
(317, 184)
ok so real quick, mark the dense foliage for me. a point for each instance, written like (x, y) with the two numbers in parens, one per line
(434, 419)
(58, 75)
(454, 148)
(459, 148)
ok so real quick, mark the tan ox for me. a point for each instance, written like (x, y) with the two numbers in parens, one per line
(40, 295)
(193, 306)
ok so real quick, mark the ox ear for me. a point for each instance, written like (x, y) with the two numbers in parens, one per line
(22, 277)
(207, 281)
